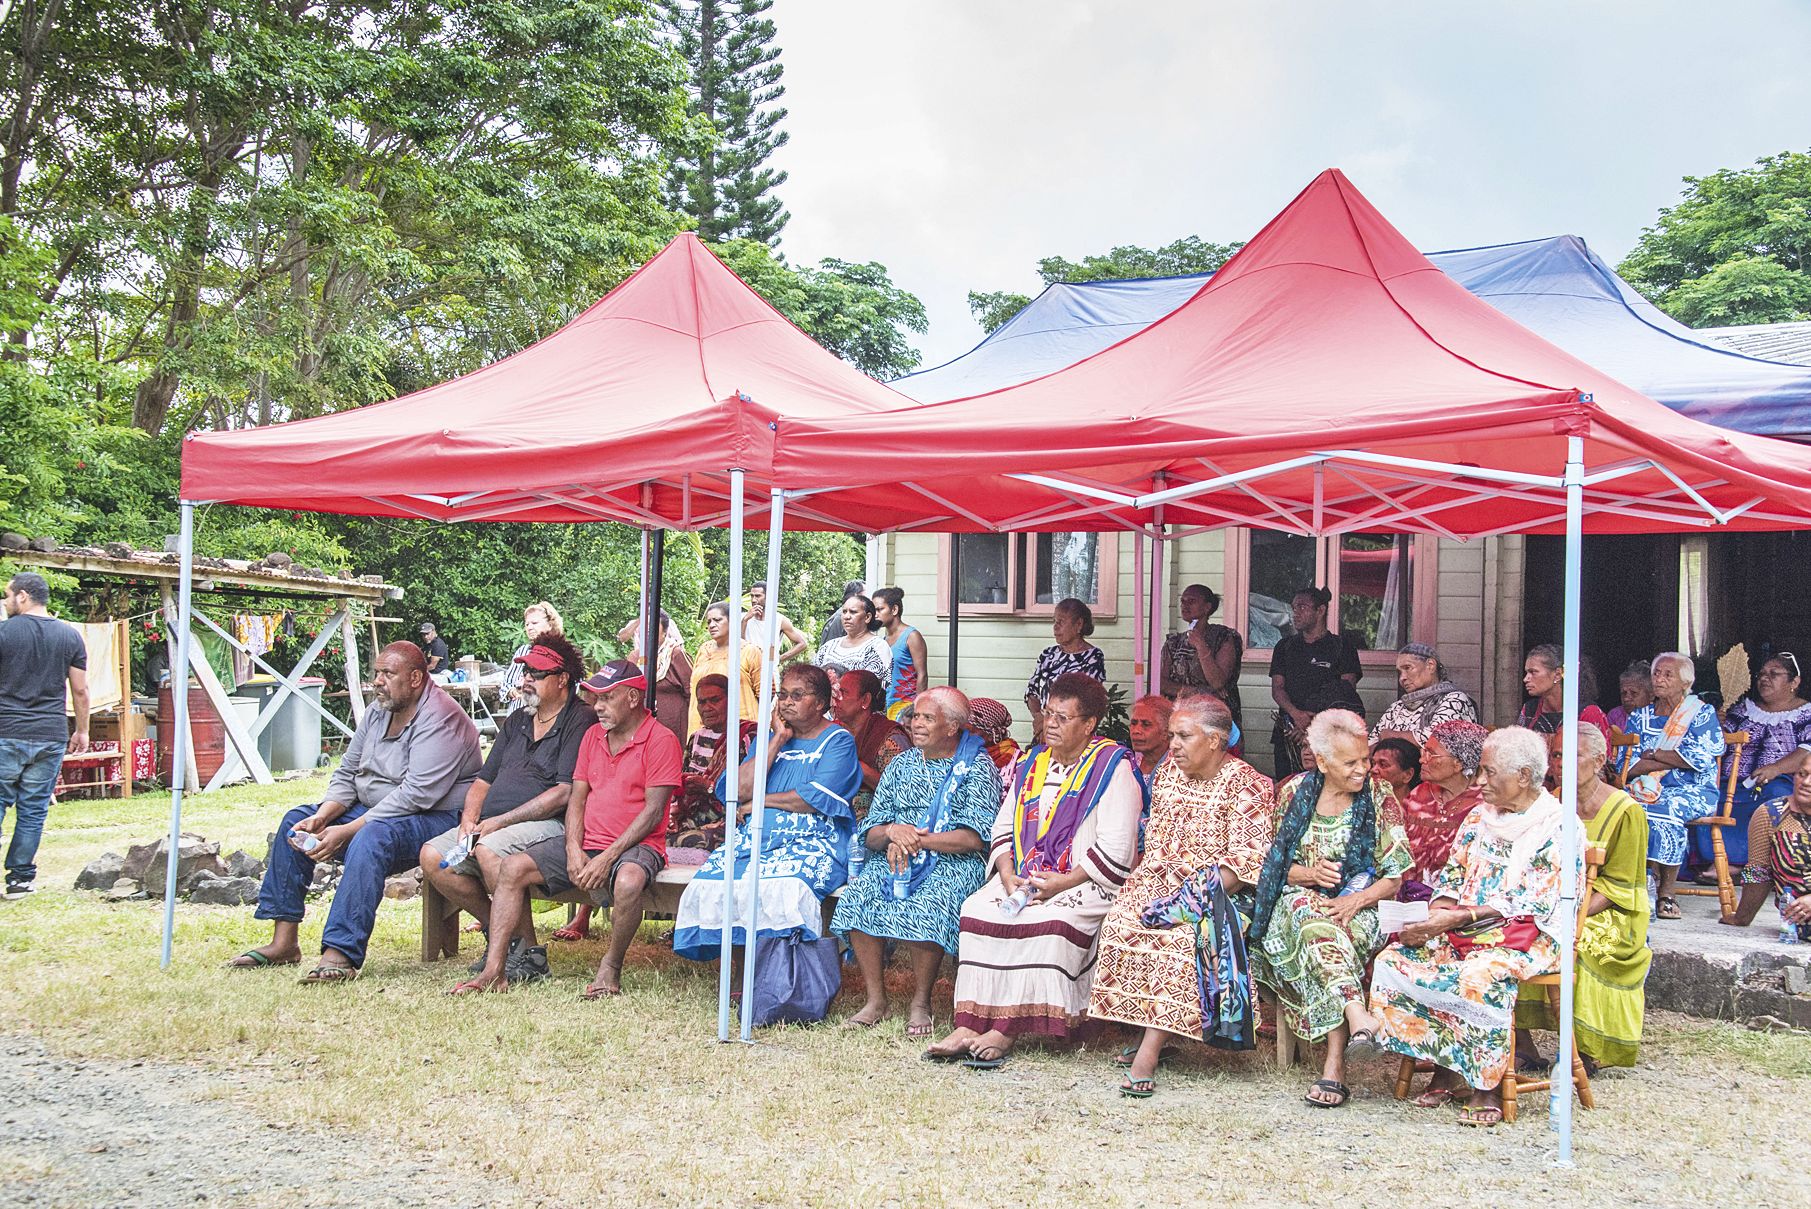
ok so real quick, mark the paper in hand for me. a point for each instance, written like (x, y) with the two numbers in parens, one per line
(1393, 917)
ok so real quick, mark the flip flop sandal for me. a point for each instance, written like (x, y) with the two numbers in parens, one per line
(928, 1056)
(977, 1062)
(1329, 1085)
(1137, 1089)
(323, 974)
(1363, 1039)
(1481, 1118)
(591, 993)
(1532, 1066)
(1668, 908)
(251, 959)
(1435, 1097)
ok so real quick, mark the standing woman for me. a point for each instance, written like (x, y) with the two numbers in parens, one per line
(1203, 654)
(1312, 669)
(1675, 779)
(672, 676)
(1339, 851)
(1544, 677)
(910, 660)
(538, 619)
(1073, 654)
(860, 648)
(712, 659)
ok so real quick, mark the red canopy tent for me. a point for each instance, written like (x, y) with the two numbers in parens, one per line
(655, 407)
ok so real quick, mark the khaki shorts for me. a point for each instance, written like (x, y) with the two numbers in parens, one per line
(549, 857)
(505, 841)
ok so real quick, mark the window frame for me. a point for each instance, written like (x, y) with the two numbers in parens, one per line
(1424, 588)
(1022, 565)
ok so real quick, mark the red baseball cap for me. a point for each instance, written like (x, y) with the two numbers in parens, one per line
(542, 659)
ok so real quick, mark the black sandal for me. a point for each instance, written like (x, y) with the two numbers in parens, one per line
(1332, 1085)
(1667, 907)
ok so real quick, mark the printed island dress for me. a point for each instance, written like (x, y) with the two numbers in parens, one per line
(907, 792)
(1457, 1010)
(1148, 976)
(803, 856)
(1029, 974)
(1685, 793)
(1312, 964)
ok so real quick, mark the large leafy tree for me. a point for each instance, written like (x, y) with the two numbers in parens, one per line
(727, 187)
(1735, 249)
(854, 310)
(1191, 254)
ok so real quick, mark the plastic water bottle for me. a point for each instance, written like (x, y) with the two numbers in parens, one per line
(902, 885)
(309, 841)
(858, 856)
(1021, 898)
(460, 852)
(1788, 933)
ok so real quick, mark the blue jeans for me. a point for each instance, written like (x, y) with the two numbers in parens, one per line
(28, 776)
(381, 848)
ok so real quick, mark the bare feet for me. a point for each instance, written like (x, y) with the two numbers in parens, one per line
(481, 985)
(952, 1046)
(919, 1021)
(991, 1044)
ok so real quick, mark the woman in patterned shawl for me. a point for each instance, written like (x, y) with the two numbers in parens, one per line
(1675, 779)
(1339, 851)
(1446, 990)
(1209, 812)
(1063, 844)
(924, 843)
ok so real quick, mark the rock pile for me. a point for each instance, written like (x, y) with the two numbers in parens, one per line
(201, 875)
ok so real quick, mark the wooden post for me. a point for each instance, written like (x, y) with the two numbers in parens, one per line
(355, 691)
(130, 724)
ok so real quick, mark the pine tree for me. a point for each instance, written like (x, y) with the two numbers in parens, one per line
(727, 188)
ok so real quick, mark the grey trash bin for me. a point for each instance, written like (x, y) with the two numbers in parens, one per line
(293, 738)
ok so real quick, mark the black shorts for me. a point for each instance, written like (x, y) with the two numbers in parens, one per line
(549, 856)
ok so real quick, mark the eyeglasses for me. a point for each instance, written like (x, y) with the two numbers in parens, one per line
(1794, 658)
(538, 674)
(802, 695)
(1051, 715)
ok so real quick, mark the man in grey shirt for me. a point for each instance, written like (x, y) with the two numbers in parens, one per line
(39, 655)
(402, 782)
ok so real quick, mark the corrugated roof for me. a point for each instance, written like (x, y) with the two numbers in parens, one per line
(1772, 341)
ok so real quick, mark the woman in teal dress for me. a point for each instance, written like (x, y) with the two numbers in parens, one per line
(922, 846)
(1340, 849)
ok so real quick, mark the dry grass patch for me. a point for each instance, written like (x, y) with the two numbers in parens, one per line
(632, 1099)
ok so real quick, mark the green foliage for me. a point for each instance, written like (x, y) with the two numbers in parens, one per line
(813, 569)
(854, 310)
(1190, 254)
(1735, 249)
(726, 186)
(1117, 725)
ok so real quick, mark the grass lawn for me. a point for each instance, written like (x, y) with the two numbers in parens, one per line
(633, 1100)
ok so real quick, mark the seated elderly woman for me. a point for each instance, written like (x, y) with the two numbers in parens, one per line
(1433, 810)
(1613, 951)
(812, 775)
(1063, 843)
(1777, 721)
(1428, 697)
(1339, 850)
(1397, 763)
(858, 704)
(1446, 990)
(1779, 861)
(1209, 830)
(924, 839)
(1675, 776)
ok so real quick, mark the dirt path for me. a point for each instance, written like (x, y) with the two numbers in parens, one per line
(105, 1133)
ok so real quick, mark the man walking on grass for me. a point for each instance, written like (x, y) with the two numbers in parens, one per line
(616, 828)
(39, 655)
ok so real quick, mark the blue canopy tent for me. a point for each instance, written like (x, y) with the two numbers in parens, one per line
(1556, 287)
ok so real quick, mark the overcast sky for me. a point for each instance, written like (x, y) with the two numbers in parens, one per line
(959, 142)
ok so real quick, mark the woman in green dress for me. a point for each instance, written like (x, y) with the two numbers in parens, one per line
(1340, 849)
(1613, 953)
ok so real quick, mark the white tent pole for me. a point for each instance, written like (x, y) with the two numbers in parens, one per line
(179, 700)
(732, 737)
(1560, 1100)
(770, 675)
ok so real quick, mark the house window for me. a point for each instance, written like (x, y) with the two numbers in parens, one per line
(1027, 573)
(1374, 578)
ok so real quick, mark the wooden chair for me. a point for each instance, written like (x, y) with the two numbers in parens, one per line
(1515, 1085)
(1724, 890)
(1622, 754)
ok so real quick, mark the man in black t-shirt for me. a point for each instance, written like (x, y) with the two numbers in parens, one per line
(520, 795)
(434, 647)
(39, 655)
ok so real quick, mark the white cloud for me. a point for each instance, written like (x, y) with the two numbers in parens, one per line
(958, 143)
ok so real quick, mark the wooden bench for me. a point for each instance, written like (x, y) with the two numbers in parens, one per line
(440, 919)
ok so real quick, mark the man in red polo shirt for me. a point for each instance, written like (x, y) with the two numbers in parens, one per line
(616, 827)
